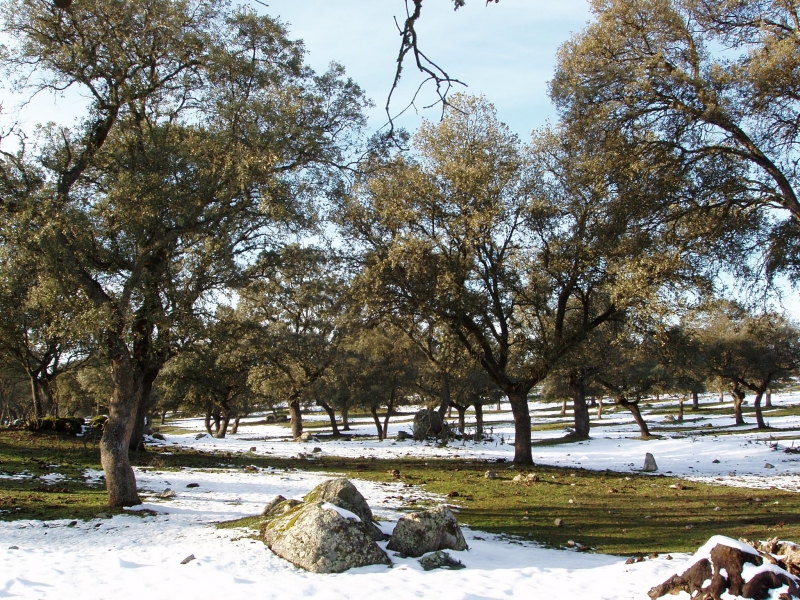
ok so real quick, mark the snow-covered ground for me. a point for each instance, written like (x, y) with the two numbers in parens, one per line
(134, 556)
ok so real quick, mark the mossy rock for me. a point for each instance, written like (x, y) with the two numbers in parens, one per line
(342, 493)
(316, 537)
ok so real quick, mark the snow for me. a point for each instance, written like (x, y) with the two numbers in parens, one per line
(139, 554)
(342, 511)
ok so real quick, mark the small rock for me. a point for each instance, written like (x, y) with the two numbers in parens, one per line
(403, 435)
(717, 508)
(253, 448)
(167, 493)
(570, 542)
(192, 485)
(669, 419)
(715, 461)
(640, 559)
(305, 436)
(72, 524)
(13, 547)
(394, 473)
(188, 559)
(500, 460)
(668, 557)
(453, 495)
(490, 475)
(200, 436)
(317, 450)
(690, 526)
(769, 466)
(732, 474)
(251, 468)
(558, 522)
(631, 560)
(440, 560)
(676, 486)
(649, 463)
(652, 555)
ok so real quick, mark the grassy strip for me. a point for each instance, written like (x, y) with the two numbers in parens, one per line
(615, 513)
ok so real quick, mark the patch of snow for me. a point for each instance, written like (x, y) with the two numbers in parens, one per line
(342, 511)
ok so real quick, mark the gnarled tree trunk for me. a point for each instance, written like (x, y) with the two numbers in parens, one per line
(738, 398)
(120, 480)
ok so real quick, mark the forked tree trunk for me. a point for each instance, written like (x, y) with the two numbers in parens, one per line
(296, 418)
(331, 415)
(120, 480)
(522, 426)
(222, 426)
(389, 410)
(207, 422)
(580, 409)
(374, 411)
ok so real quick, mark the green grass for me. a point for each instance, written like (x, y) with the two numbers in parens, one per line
(612, 512)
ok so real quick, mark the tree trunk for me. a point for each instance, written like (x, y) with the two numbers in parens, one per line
(633, 407)
(296, 417)
(478, 418)
(721, 396)
(445, 394)
(600, 407)
(680, 410)
(208, 422)
(564, 407)
(462, 418)
(120, 480)
(374, 410)
(36, 400)
(522, 426)
(768, 398)
(757, 406)
(235, 428)
(331, 415)
(345, 420)
(388, 414)
(581, 411)
(738, 398)
(695, 400)
(217, 417)
(227, 414)
(163, 417)
(143, 403)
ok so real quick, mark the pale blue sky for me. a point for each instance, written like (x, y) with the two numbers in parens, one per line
(505, 51)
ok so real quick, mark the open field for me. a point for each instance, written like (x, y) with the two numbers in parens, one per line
(711, 480)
